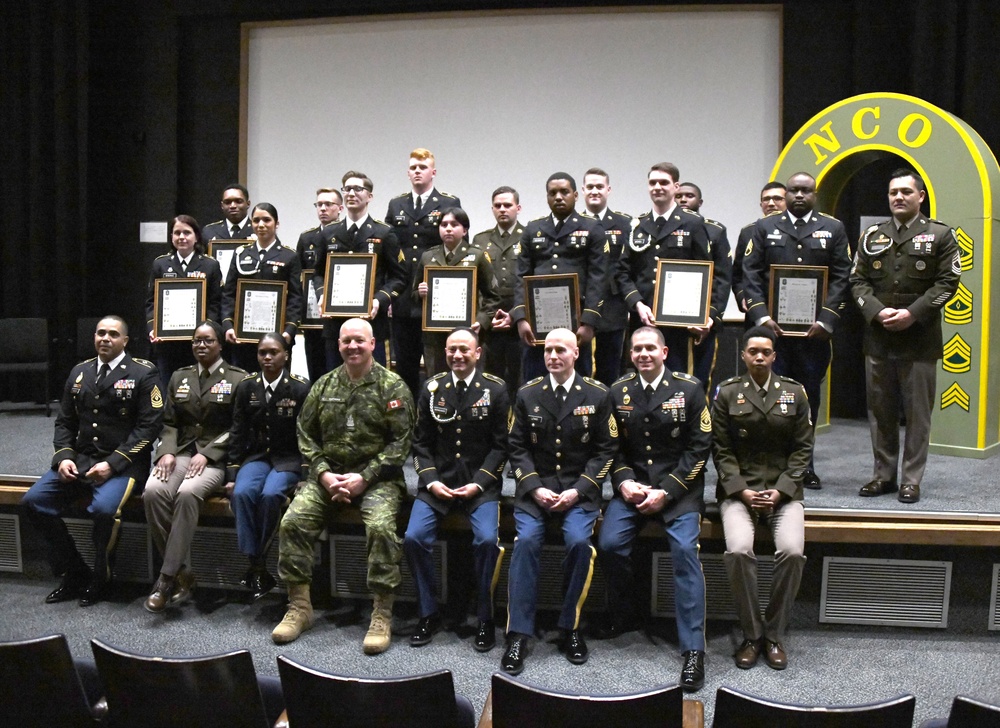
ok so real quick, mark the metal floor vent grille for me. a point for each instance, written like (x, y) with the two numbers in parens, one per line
(994, 621)
(891, 592)
(10, 543)
(217, 562)
(550, 581)
(133, 558)
(349, 570)
(718, 594)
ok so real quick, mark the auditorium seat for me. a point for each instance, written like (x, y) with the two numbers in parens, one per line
(513, 704)
(163, 692)
(734, 709)
(42, 686)
(967, 712)
(25, 350)
(314, 698)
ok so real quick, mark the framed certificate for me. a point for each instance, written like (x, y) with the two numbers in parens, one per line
(178, 307)
(552, 302)
(260, 309)
(310, 296)
(223, 251)
(796, 296)
(683, 292)
(349, 285)
(451, 297)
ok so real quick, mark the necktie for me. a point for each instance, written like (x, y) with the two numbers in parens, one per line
(235, 231)
(462, 388)
(902, 230)
(352, 231)
(559, 227)
(660, 222)
(561, 394)
(102, 374)
(267, 393)
(184, 266)
(204, 374)
(504, 235)
(649, 390)
(416, 206)
(799, 223)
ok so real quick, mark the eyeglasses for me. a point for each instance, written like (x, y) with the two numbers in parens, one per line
(326, 204)
(772, 198)
(203, 342)
(354, 188)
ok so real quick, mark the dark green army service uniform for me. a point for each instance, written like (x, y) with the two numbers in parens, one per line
(762, 443)
(916, 269)
(362, 427)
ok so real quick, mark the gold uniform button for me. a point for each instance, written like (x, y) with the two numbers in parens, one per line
(649, 462)
(458, 443)
(95, 438)
(555, 267)
(458, 431)
(558, 442)
(93, 424)
(648, 448)
(558, 428)
(558, 454)
(558, 466)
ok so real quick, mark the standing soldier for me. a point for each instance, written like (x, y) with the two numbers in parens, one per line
(501, 344)
(906, 270)
(354, 432)
(459, 449)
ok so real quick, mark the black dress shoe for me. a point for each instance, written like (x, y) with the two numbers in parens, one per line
(486, 637)
(71, 587)
(184, 587)
(877, 487)
(693, 672)
(811, 480)
(575, 647)
(512, 662)
(93, 593)
(425, 630)
(909, 493)
(262, 583)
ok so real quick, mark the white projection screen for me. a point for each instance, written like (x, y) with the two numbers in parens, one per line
(509, 98)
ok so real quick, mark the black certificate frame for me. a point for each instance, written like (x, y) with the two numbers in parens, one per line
(245, 285)
(558, 280)
(309, 323)
(215, 245)
(706, 268)
(160, 287)
(468, 274)
(819, 273)
(370, 262)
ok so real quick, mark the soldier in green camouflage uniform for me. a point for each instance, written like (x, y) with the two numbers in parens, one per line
(354, 432)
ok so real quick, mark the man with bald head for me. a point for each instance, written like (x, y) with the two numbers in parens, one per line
(354, 433)
(562, 440)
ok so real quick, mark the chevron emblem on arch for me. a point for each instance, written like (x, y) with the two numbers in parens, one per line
(957, 355)
(965, 246)
(955, 395)
(958, 310)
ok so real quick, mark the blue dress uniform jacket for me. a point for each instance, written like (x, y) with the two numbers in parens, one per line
(265, 430)
(722, 275)
(665, 439)
(391, 270)
(199, 413)
(416, 233)
(739, 252)
(311, 245)
(776, 241)
(919, 271)
(116, 422)
(201, 266)
(761, 444)
(683, 237)
(562, 446)
(617, 227)
(279, 264)
(461, 440)
(220, 230)
(579, 247)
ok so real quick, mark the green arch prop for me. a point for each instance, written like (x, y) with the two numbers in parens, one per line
(961, 174)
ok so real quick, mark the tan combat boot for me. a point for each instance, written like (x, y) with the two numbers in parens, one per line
(379, 635)
(299, 616)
